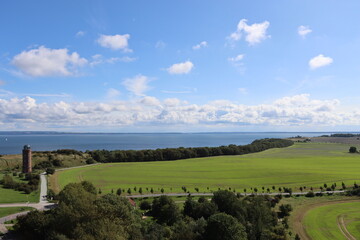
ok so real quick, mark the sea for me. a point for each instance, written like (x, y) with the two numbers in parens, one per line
(13, 142)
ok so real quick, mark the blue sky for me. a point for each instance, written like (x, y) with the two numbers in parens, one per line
(158, 66)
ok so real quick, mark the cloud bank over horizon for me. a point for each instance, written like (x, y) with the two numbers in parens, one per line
(299, 110)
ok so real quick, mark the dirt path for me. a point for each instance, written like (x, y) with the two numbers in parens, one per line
(298, 225)
(342, 226)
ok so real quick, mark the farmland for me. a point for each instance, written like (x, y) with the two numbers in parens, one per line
(334, 221)
(303, 164)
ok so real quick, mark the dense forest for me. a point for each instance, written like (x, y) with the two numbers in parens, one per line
(83, 215)
(184, 153)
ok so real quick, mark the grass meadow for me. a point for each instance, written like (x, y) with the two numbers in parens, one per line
(303, 164)
(12, 196)
(324, 222)
(11, 210)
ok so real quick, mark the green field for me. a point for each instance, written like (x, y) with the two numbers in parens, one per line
(12, 196)
(325, 222)
(11, 210)
(303, 164)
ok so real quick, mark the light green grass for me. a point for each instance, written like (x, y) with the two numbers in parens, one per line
(12, 196)
(11, 210)
(321, 222)
(310, 164)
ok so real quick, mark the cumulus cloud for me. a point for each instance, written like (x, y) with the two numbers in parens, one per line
(254, 33)
(42, 62)
(304, 30)
(137, 85)
(238, 58)
(180, 68)
(298, 110)
(200, 45)
(320, 61)
(150, 101)
(115, 42)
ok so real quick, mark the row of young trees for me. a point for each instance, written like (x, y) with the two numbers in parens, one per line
(83, 215)
(183, 153)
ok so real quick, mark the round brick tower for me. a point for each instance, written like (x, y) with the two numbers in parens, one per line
(27, 159)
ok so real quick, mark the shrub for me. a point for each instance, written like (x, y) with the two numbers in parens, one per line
(310, 194)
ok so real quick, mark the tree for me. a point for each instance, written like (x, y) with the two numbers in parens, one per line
(129, 191)
(50, 171)
(225, 227)
(164, 210)
(152, 190)
(140, 190)
(145, 205)
(352, 150)
(285, 210)
(119, 192)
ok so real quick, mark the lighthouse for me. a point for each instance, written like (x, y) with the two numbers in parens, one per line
(26, 159)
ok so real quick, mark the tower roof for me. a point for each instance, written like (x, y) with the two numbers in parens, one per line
(26, 147)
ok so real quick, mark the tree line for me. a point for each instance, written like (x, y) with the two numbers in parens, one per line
(184, 153)
(83, 215)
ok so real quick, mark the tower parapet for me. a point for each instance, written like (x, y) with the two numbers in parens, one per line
(27, 161)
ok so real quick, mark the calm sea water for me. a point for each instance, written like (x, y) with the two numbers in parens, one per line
(11, 143)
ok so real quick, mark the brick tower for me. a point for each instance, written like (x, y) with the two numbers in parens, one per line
(27, 159)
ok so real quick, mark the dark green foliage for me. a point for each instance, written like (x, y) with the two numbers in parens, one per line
(119, 191)
(80, 215)
(43, 165)
(225, 227)
(310, 194)
(285, 210)
(50, 171)
(145, 205)
(32, 185)
(164, 210)
(184, 153)
(352, 150)
(200, 209)
(83, 215)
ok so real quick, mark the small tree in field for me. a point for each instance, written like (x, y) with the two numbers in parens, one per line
(129, 191)
(140, 190)
(162, 190)
(119, 191)
(152, 190)
(352, 150)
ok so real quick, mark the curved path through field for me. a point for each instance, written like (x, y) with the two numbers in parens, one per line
(300, 229)
(342, 226)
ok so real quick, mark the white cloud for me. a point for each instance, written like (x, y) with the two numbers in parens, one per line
(150, 101)
(293, 111)
(304, 30)
(200, 45)
(99, 59)
(80, 34)
(320, 61)
(115, 42)
(181, 68)
(243, 91)
(112, 93)
(254, 33)
(138, 85)
(44, 61)
(237, 58)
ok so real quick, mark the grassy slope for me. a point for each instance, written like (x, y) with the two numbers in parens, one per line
(12, 196)
(11, 210)
(321, 222)
(310, 164)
